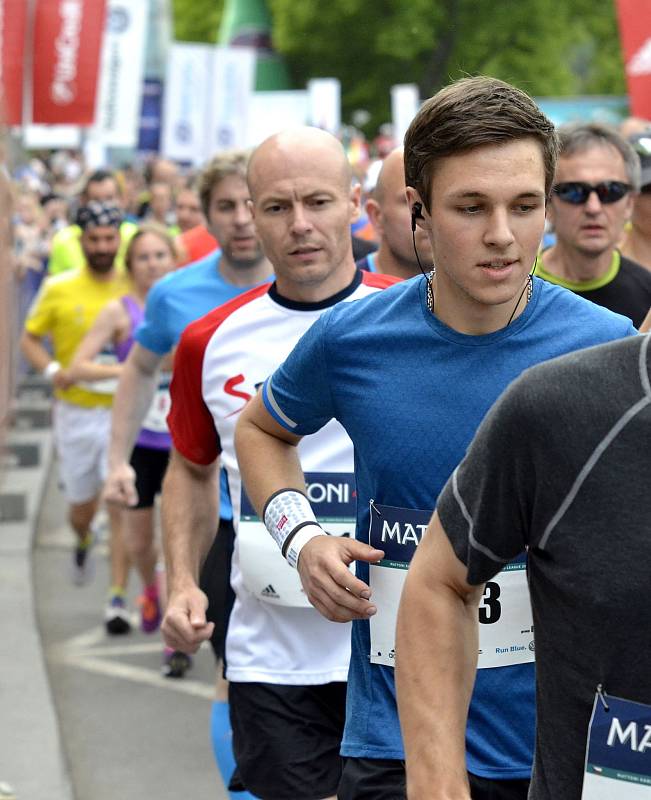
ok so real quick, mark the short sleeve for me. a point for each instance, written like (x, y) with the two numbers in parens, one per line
(153, 332)
(40, 317)
(485, 507)
(190, 422)
(298, 394)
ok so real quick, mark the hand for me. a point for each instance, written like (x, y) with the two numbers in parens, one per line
(184, 624)
(120, 486)
(330, 586)
(62, 379)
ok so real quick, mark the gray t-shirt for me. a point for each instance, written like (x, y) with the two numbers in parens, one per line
(562, 465)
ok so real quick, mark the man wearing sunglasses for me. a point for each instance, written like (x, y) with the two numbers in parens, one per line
(636, 243)
(597, 176)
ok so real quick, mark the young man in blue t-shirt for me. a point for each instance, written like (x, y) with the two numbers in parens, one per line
(410, 374)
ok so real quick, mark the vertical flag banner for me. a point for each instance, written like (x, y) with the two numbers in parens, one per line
(635, 33)
(13, 25)
(67, 48)
(405, 102)
(186, 100)
(121, 73)
(231, 85)
(325, 104)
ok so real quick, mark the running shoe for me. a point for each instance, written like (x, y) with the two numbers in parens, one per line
(116, 617)
(82, 568)
(150, 610)
(175, 663)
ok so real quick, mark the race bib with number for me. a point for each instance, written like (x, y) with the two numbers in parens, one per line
(107, 385)
(156, 417)
(265, 572)
(618, 753)
(506, 626)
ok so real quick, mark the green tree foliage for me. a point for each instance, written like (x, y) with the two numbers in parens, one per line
(197, 20)
(548, 47)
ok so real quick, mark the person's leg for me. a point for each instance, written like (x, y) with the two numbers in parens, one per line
(491, 789)
(116, 618)
(139, 542)
(80, 516)
(286, 739)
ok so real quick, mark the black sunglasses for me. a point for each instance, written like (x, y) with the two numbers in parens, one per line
(578, 192)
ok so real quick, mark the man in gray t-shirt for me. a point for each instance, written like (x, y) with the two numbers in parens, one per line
(561, 466)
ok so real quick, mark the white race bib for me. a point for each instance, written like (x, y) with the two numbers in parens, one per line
(265, 572)
(506, 626)
(107, 385)
(618, 752)
(156, 417)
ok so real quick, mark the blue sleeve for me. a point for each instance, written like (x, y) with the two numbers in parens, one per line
(298, 394)
(154, 331)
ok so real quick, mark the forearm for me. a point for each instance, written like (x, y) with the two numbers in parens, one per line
(132, 399)
(34, 351)
(267, 463)
(90, 371)
(436, 655)
(190, 518)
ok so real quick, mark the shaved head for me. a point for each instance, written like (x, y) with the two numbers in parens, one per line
(391, 177)
(299, 145)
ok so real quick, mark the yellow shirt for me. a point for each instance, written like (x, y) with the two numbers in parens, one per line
(65, 309)
(66, 252)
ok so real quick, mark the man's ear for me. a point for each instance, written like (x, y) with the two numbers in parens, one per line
(419, 214)
(251, 207)
(355, 202)
(374, 213)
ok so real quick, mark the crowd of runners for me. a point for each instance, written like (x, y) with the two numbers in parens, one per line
(228, 341)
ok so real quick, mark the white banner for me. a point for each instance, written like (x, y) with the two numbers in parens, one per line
(325, 104)
(271, 112)
(55, 137)
(233, 81)
(405, 102)
(187, 89)
(121, 73)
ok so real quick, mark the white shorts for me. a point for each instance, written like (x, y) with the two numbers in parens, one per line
(81, 436)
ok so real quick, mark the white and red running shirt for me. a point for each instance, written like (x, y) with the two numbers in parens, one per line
(274, 636)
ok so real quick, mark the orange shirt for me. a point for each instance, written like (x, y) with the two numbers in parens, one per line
(195, 244)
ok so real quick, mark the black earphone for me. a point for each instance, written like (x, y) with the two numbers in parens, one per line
(416, 213)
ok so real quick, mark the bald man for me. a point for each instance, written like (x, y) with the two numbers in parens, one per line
(286, 665)
(390, 214)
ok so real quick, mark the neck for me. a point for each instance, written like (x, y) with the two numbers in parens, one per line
(388, 263)
(462, 313)
(575, 265)
(637, 246)
(338, 280)
(140, 295)
(244, 276)
(101, 277)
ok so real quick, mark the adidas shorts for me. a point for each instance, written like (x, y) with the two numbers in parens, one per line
(286, 739)
(81, 438)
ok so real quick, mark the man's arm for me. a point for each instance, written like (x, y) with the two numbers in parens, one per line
(133, 397)
(645, 327)
(33, 349)
(190, 514)
(269, 462)
(436, 659)
(83, 366)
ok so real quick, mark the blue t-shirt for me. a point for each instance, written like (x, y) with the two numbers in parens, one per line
(411, 392)
(172, 304)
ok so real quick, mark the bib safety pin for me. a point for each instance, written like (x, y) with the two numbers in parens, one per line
(602, 696)
(375, 508)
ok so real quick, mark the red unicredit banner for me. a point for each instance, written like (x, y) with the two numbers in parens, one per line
(67, 49)
(13, 24)
(635, 33)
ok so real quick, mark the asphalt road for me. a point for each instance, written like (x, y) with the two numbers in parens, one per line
(127, 732)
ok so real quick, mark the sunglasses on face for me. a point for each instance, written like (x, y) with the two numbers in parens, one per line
(578, 192)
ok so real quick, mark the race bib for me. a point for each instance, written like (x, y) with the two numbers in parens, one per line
(506, 626)
(265, 572)
(106, 386)
(156, 417)
(618, 752)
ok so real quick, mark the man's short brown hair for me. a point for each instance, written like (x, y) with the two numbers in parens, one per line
(231, 162)
(470, 113)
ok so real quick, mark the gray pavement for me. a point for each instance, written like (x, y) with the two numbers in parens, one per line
(85, 716)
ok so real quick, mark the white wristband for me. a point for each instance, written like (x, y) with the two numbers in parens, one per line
(299, 540)
(286, 514)
(51, 370)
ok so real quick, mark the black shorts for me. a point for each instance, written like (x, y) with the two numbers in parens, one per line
(384, 779)
(286, 739)
(215, 582)
(149, 464)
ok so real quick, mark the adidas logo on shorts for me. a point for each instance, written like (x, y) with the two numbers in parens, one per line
(269, 591)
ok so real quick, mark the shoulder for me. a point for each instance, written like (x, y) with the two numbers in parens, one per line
(636, 271)
(566, 305)
(377, 280)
